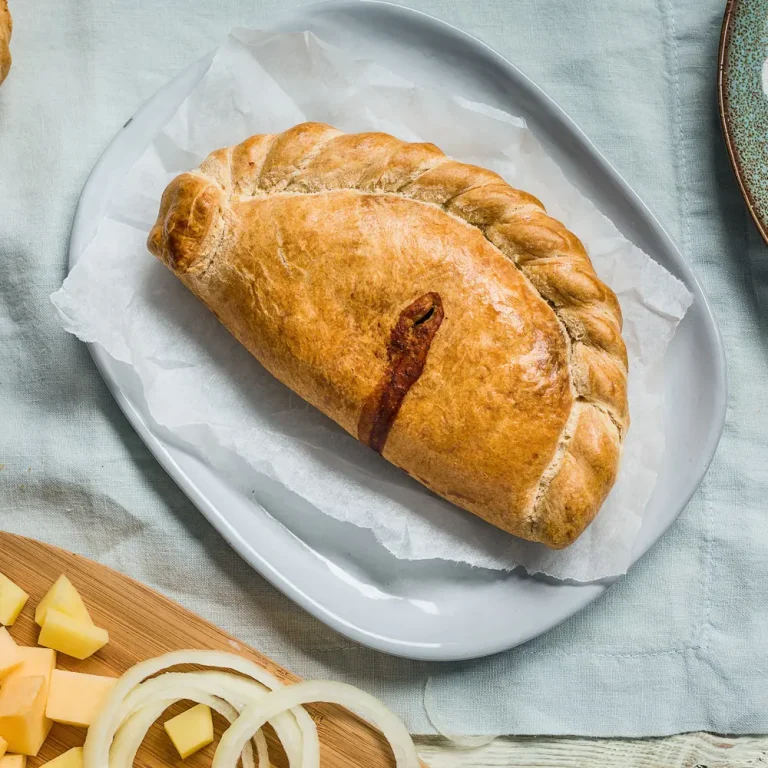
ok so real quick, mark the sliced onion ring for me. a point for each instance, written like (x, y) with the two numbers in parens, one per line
(102, 732)
(257, 714)
(135, 702)
(134, 729)
(238, 691)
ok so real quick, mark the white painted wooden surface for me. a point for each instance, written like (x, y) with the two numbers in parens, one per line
(696, 750)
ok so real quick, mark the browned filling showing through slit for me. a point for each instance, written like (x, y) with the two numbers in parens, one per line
(407, 352)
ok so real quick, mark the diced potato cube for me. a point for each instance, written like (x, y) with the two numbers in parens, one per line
(75, 638)
(72, 758)
(3, 746)
(63, 596)
(191, 730)
(34, 661)
(23, 723)
(12, 600)
(13, 761)
(9, 654)
(75, 698)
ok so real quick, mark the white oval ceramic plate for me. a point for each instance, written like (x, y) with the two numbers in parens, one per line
(432, 609)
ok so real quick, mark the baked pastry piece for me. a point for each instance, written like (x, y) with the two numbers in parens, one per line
(434, 312)
(6, 27)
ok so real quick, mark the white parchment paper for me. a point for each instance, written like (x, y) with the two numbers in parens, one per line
(207, 391)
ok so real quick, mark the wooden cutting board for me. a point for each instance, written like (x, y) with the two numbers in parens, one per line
(143, 624)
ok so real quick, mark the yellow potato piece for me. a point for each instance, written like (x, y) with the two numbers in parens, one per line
(12, 599)
(13, 761)
(76, 698)
(35, 664)
(9, 655)
(3, 747)
(62, 596)
(72, 758)
(34, 661)
(67, 635)
(23, 723)
(191, 730)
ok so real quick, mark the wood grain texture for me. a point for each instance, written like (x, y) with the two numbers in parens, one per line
(689, 750)
(143, 624)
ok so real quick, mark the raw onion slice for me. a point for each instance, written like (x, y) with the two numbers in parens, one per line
(134, 729)
(248, 700)
(214, 683)
(257, 714)
(238, 692)
(102, 732)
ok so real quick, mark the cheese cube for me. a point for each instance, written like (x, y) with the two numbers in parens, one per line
(75, 638)
(62, 596)
(13, 761)
(3, 747)
(72, 758)
(34, 661)
(12, 600)
(191, 730)
(9, 654)
(75, 698)
(23, 723)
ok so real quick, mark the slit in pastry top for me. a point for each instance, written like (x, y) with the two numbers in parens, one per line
(407, 352)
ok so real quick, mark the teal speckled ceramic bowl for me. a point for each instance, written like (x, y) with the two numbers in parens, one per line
(743, 104)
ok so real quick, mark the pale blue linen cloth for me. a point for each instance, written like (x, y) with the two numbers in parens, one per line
(680, 644)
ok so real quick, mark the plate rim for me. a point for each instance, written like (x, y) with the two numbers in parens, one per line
(586, 593)
(723, 108)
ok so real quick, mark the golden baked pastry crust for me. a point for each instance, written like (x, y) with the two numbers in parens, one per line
(425, 305)
(6, 27)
